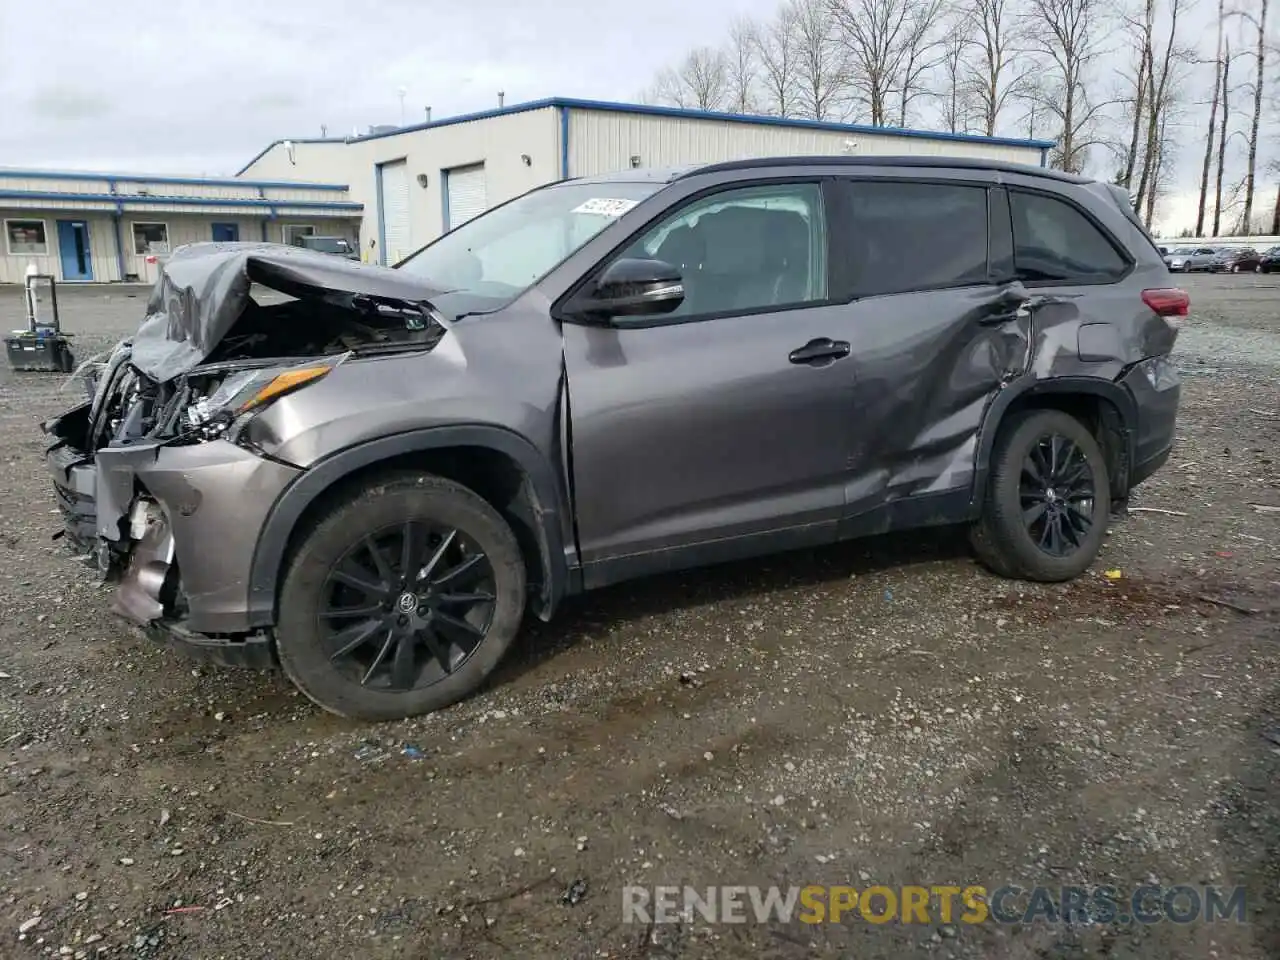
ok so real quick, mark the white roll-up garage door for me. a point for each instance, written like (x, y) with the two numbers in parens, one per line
(397, 238)
(466, 193)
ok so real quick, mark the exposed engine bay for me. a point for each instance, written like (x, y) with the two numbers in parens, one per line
(229, 328)
(129, 406)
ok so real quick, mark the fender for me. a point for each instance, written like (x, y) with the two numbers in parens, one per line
(269, 554)
(1030, 386)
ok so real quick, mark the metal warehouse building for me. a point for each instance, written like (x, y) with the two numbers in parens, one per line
(416, 182)
(96, 227)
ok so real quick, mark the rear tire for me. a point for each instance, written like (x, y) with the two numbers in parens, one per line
(401, 599)
(1047, 502)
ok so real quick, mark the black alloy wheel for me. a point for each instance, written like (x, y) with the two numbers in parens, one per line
(406, 606)
(1057, 494)
(400, 599)
(1047, 499)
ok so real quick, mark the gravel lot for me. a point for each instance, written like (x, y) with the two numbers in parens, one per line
(880, 712)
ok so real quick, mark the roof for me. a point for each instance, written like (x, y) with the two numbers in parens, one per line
(14, 174)
(572, 103)
(276, 143)
(641, 175)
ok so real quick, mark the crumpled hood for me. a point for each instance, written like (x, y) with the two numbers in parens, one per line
(204, 287)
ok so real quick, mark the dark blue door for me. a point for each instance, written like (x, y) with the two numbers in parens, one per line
(73, 248)
(226, 232)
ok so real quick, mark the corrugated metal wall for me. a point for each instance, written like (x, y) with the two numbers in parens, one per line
(605, 142)
(102, 246)
(500, 143)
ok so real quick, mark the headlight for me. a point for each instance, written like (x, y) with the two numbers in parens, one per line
(248, 391)
(1161, 372)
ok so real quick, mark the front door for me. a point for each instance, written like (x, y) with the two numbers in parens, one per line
(723, 428)
(73, 249)
(226, 232)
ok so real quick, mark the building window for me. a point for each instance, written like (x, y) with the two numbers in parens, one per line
(150, 238)
(26, 237)
(293, 233)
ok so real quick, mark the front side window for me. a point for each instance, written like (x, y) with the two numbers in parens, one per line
(744, 250)
(489, 261)
(917, 236)
(26, 236)
(150, 238)
(1055, 242)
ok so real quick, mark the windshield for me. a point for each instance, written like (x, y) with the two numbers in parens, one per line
(1184, 251)
(489, 261)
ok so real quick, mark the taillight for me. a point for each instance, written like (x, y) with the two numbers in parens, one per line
(1168, 301)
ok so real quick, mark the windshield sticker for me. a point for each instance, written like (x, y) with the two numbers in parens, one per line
(605, 207)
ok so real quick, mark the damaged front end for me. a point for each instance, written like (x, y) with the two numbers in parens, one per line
(161, 482)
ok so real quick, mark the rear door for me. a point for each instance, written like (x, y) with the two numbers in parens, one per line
(936, 331)
(721, 429)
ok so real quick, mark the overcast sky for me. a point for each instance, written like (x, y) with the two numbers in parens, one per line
(199, 86)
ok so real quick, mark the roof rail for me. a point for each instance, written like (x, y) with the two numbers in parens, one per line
(967, 163)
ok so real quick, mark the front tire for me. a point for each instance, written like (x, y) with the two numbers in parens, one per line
(401, 600)
(1047, 500)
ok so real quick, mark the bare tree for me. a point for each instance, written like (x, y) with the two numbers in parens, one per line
(1135, 103)
(1066, 33)
(994, 77)
(699, 82)
(776, 47)
(875, 36)
(1208, 140)
(742, 65)
(1157, 89)
(819, 64)
(1222, 135)
(1259, 23)
(955, 98)
(921, 54)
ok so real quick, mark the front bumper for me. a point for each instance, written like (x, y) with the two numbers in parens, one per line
(177, 526)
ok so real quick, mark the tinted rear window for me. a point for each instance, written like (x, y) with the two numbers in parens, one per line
(917, 236)
(1053, 241)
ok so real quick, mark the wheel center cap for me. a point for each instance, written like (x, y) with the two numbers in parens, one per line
(407, 603)
(1051, 495)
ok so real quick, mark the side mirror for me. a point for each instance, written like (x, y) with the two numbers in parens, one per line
(632, 287)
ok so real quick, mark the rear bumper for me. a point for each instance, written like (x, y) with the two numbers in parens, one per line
(1157, 416)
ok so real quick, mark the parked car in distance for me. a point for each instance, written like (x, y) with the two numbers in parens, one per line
(372, 483)
(339, 246)
(1192, 259)
(1269, 260)
(1237, 259)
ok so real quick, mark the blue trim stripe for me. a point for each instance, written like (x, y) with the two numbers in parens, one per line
(119, 232)
(570, 103)
(444, 200)
(7, 174)
(382, 214)
(123, 198)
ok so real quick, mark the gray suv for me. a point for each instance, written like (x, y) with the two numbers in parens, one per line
(369, 475)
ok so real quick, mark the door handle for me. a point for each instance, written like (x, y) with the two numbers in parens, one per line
(820, 351)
